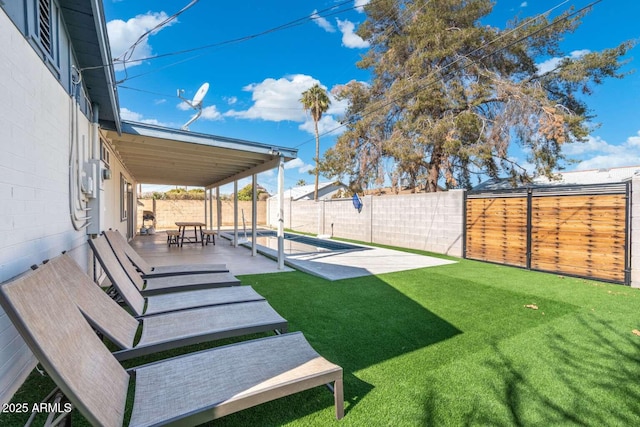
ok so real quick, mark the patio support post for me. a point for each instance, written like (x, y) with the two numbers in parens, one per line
(218, 209)
(254, 214)
(205, 208)
(211, 209)
(235, 213)
(281, 213)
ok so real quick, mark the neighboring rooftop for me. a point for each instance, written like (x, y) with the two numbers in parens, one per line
(585, 177)
(305, 192)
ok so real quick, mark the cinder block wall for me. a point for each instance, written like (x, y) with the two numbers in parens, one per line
(167, 212)
(431, 222)
(426, 221)
(635, 232)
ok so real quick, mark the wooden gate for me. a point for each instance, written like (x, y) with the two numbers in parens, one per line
(578, 231)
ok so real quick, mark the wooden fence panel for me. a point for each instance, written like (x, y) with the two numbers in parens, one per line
(575, 231)
(496, 230)
(580, 235)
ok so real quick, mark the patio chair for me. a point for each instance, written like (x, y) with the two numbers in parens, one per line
(157, 285)
(190, 389)
(162, 331)
(164, 303)
(116, 239)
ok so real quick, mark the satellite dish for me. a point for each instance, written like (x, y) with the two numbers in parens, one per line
(195, 103)
(199, 96)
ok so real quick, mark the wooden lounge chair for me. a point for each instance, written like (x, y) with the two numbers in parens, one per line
(175, 301)
(116, 239)
(163, 331)
(157, 285)
(187, 390)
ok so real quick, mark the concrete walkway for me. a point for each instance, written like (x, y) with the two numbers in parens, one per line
(333, 265)
(368, 260)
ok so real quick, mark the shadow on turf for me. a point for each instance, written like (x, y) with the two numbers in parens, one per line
(355, 324)
(595, 382)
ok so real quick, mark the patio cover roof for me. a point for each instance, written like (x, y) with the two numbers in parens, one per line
(159, 155)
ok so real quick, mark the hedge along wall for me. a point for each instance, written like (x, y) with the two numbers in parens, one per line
(167, 212)
(425, 221)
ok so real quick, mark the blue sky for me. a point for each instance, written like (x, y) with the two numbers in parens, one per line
(255, 83)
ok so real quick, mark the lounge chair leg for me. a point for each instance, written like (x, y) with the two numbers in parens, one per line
(338, 396)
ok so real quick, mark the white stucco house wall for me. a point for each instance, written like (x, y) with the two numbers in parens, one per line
(60, 181)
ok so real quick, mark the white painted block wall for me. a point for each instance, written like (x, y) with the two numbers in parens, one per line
(34, 181)
(426, 221)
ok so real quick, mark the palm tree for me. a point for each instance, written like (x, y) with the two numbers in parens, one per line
(316, 101)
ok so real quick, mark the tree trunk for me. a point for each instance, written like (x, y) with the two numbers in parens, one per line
(315, 193)
(433, 170)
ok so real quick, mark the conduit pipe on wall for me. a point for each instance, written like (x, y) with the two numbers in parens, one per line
(77, 204)
(94, 172)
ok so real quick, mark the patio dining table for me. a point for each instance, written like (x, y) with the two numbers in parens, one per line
(182, 226)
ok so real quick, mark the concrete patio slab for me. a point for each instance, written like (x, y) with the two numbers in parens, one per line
(154, 249)
(330, 265)
(363, 261)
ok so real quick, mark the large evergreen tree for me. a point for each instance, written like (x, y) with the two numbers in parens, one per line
(450, 95)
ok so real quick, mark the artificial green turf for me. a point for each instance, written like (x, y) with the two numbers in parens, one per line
(455, 345)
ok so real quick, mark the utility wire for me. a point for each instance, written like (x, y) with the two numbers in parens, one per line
(471, 62)
(291, 24)
(330, 11)
(127, 54)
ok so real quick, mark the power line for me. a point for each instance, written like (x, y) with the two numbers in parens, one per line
(330, 11)
(471, 62)
(129, 52)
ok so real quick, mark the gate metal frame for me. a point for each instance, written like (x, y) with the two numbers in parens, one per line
(561, 191)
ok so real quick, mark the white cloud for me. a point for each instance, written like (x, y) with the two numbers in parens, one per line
(124, 34)
(231, 100)
(305, 169)
(132, 116)
(597, 153)
(591, 145)
(276, 100)
(208, 113)
(211, 113)
(326, 125)
(298, 164)
(279, 100)
(349, 38)
(322, 22)
(159, 101)
(295, 163)
(550, 64)
(360, 4)
(524, 4)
